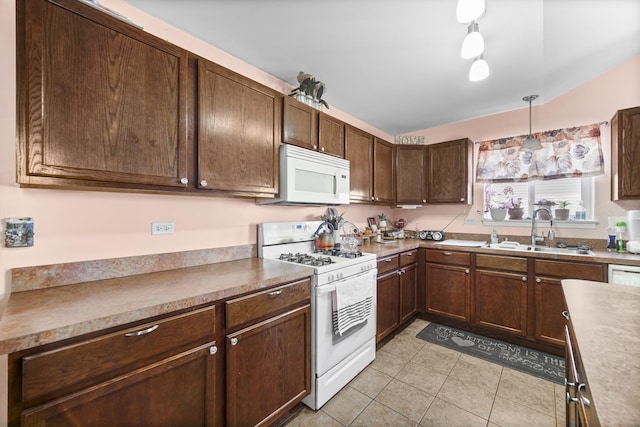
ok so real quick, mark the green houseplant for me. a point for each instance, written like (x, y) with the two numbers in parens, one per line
(310, 90)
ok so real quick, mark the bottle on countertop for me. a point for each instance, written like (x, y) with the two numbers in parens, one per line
(581, 212)
(494, 236)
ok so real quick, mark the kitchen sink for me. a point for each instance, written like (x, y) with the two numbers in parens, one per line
(517, 247)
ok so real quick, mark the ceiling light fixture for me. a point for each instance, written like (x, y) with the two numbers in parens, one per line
(470, 10)
(479, 69)
(531, 143)
(473, 43)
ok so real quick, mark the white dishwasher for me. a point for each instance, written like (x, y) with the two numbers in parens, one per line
(624, 274)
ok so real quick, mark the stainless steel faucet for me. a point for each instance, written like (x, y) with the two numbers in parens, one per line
(534, 237)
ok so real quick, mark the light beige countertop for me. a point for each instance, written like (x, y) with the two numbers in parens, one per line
(606, 321)
(53, 313)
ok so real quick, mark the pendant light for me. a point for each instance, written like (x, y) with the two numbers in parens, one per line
(469, 10)
(473, 43)
(531, 143)
(479, 69)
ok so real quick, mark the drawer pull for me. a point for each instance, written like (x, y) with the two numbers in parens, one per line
(447, 253)
(524, 278)
(387, 260)
(275, 293)
(142, 332)
(213, 349)
(565, 314)
(466, 271)
(538, 280)
(234, 341)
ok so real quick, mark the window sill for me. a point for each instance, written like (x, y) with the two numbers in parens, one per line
(584, 224)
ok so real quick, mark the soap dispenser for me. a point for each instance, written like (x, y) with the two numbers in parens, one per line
(494, 236)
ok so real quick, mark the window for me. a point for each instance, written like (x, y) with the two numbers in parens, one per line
(571, 190)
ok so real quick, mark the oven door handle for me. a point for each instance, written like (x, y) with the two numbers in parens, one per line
(331, 287)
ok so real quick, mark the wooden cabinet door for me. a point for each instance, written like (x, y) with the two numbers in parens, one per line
(268, 368)
(500, 301)
(448, 172)
(410, 175)
(448, 291)
(383, 172)
(359, 151)
(238, 132)
(549, 303)
(299, 124)
(178, 391)
(330, 135)
(625, 154)
(408, 291)
(99, 100)
(388, 304)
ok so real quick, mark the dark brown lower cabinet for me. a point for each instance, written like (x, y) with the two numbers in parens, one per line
(448, 284)
(172, 392)
(408, 291)
(549, 301)
(388, 306)
(268, 368)
(160, 373)
(500, 300)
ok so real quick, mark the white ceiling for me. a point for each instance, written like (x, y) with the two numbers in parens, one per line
(396, 65)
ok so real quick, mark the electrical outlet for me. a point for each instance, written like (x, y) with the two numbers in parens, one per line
(469, 220)
(161, 228)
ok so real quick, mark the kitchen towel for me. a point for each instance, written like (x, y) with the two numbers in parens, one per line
(352, 303)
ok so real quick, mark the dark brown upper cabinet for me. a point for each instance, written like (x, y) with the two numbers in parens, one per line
(383, 172)
(100, 102)
(306, 127)
(358, 147)
(436, 173)
(238, 132)
(625, 154)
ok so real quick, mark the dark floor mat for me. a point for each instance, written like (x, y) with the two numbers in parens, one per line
(534, 362)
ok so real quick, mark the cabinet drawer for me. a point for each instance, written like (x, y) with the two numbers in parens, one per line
(448, 257)
(498, 262)
(387, 264)
(571, 270)
(258, 305)
(99, 358)
(408, 257)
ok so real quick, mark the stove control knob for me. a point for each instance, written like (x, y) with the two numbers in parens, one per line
(340, 275)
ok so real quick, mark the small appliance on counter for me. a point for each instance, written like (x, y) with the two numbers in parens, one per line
(633, 227)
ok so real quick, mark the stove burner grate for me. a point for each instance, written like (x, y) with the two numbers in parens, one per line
(298, 258)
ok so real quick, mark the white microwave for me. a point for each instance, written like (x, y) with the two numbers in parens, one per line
(311, 178)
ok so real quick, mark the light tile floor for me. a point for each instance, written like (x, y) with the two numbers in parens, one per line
(415, 383)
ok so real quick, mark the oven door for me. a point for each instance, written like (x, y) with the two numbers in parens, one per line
(331, 348)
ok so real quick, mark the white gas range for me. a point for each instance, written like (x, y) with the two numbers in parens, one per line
(337, 357)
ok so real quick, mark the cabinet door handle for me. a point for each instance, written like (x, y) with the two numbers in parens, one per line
(315, 147)
(322, 149)
(538, 280)
(275, 293)
(585, 401)
(571, 399)
(142, 332)
(203, 183)
(466, 271)
(524, 278)
(234, 341)
(184, 181)
(565, 314)
(213, 349)
(568, 384)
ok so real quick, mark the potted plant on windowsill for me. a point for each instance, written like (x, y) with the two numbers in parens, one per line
(562, 212)
(544, 203)
(514, 204)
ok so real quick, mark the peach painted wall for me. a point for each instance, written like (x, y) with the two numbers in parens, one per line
(593, 102)
(82, 225)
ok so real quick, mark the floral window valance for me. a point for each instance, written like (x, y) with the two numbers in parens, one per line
(565, 153)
